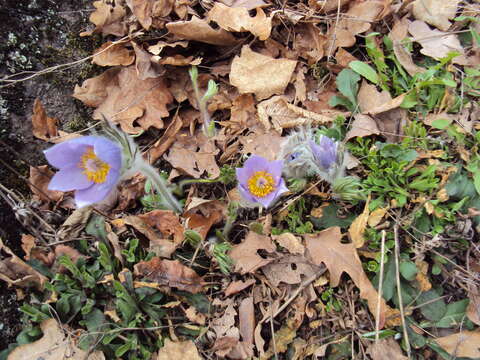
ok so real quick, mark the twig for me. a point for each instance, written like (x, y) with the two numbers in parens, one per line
(380, 288)
(274, 344)
(399, 291)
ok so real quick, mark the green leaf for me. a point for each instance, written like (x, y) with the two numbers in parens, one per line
(441, 123)
(330, 218)
(96, 227)
(454, 315)
(337, 100)
(408, 269)
(347, 83)
(192, 237)
(410, 100)
(460, 186)
(365, 70)
(389, 282)
(432, 309)
(476, 181)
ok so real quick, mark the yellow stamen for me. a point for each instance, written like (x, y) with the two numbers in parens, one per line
(261, 184)
(94, 169)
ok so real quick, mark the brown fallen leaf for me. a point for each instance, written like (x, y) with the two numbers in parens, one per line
(43, 127)
(144, 64)
(462, 344)
(167, 139)
(194, 316)
(55, 344)
(376, 216)
(246, 314)
(167, 223)
(122, 97)
(267, 145)
(202, 214)
(178, 350)
(14, 271)
(170, 273)
(247, 4)
(435, 43)
(238, 19)
(343, 57)
(38, 182)
(159, 46)
(291, 269)
(177, 60)
(436, 12)
(194, 155)
(473, 309)
(28, 243)
(405, 59)
(262, 75)
(199, 30)
(357, 228)
(386, 349)
(369, 98)
(290, 242)
(146, 11)
(279, 114)
(326, 247)
(245, 255)
(108, 19)
(363, 125)
(309, 42)
(236, 286)
(110, 54)
(75, 223)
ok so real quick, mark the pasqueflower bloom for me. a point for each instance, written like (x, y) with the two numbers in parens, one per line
(324, 153)
(260, 181)
(90, 165)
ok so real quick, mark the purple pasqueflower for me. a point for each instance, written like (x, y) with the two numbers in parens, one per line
(260, 181)
(90, 165)
(324, 153)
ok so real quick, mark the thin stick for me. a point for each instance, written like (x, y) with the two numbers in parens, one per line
(380, 288)
(399, 291)
(274, 343)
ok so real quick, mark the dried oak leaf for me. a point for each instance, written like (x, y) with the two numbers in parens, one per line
(277, 112)
(362, 125)
(357, 228)
(38, 182)
(202, 214)
(166, 222)
(55, 344)
(386, 349)
(326, 247)
(237, 19)
(75, 223)
(236, 286)
(113, 54)
(122, 97)
(309, 42)
(194, 155)
(168, 138)
(267, 145)
(199, 30)
(144, 64)
(15, 271)
(262, 75)
(170, 273)
(462, 344)
(290, 242)
(108, 19)
(146, 10)
(435, 12)
(43, 127)
(245, 255)
(28, 243)
(437, 44)
(178, 350)
(405, 59)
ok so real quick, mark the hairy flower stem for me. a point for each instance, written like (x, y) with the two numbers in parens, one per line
(160, 185)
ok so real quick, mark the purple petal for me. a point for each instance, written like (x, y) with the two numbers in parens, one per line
(326, 153)
(271, 198)
(65, 154)
(69, 178)
(246, 194)
(97, 192)
(109, 152)
(275, 169)
(243, 175)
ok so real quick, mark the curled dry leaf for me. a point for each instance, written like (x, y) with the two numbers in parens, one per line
(14, 271)
(43, 127)
(363, 125)
(28, 243)
(198, 30)
(170, 273)
(405, 59)
(277, 112)
(113, 54)
(167, 139)
(245, 255)
(55, 344)
(309, 42)
(462, 344)
(386, 349)
(144, 64)
(202, 214)
(435, 12)
(38, 182)
(178, 350)
(290, 242)
(246, 314)
(369, 98)
(267, 145)
(290, 269)
(262, 75)
(122, 97)
(159, 46)
(357, 228)
(437, 44)
(108, 19)
(167, 223)
(376, 216)
(326, 247)
(238, 19)
(75, 223)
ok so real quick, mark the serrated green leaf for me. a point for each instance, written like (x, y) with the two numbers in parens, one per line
(365, 70)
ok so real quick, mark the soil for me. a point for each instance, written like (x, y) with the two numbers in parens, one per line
(35, 35)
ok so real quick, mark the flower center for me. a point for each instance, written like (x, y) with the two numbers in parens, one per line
(94, 169)
(261, 184)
